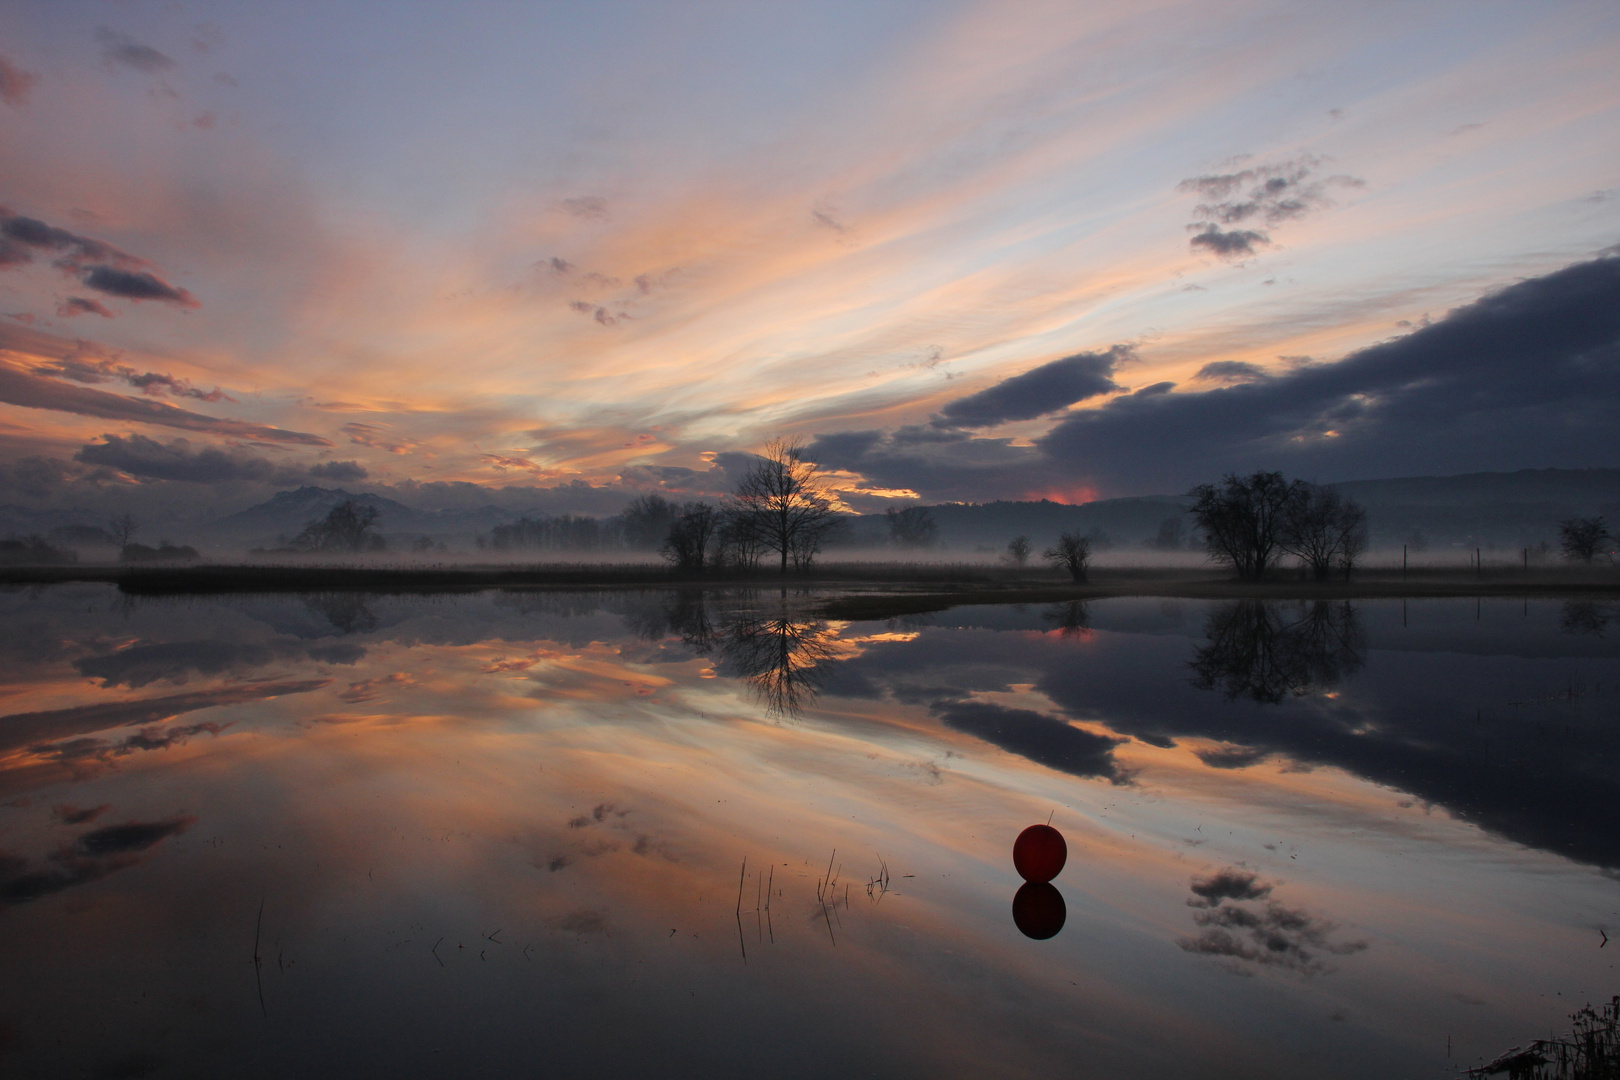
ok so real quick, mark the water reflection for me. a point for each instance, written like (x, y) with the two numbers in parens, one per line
(1038, 910)
(770, 644)
(1072, 619)
(1584, 617)
(1267, 651)
(457, 813)
(782, 657)
(348, 612)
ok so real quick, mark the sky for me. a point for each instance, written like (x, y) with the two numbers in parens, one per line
(557, 255)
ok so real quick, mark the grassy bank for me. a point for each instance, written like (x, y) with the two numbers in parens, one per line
(862, 589)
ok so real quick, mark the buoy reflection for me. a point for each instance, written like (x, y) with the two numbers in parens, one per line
(1038, 910)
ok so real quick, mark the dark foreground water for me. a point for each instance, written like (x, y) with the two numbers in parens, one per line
(504, 835)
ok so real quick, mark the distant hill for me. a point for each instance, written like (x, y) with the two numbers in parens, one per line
(287, 512)
(1516, 509)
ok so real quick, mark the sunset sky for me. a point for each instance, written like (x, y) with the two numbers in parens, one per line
(557, 254)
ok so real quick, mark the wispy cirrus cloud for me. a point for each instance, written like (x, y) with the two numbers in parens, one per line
(25, 388)
(150, 383)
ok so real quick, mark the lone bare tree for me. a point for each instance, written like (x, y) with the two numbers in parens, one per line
(1325, 530)
(785, 504)
(1018, 551)
(1583, 537)
(1244, 519)
(122, 530)
(1072, 552)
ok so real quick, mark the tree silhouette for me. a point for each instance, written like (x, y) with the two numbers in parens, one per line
(782, 503)
(1244, 519)
(1582, 538)
(1072, 552)
(913, 527)
(1324, 529)
(690, 537)
(348, 526)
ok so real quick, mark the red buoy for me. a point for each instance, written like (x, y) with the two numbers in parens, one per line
(1038, 910)
(1039, 853)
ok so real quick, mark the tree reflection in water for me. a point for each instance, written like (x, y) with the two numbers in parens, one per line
(1072, 619)
(781, 655)
(1267, 651)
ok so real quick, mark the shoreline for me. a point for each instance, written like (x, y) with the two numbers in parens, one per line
(869, 590)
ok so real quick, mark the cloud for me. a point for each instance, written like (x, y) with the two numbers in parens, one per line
(1272, 935)
(136, 285)
(1044, 739)
(138, 455)
(1232, 883)
(36, 392)
(15, 83)
(120, 48)
(150, 383)
(68, 814)
(176, 460)
(99, 265)
(77, 252)
(21, 730)
(78, 305)
(589, 207)
(95, 855)
(1039, 391)
(377, 438)
(1531, 369)
(1230, 371)
(1266, 195)
(34, 476)
(1232, 757)
(1229, 245)
(339, 471)
(175, 662)
(78, 751)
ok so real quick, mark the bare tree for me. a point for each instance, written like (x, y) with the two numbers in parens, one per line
(690, 536)
(1583, 537)
(1018, 550)
(1324, 529)
(784, 503)
(122, 530)
(1072, 552)
(913, 527)
(1243, 519)
(348, 526)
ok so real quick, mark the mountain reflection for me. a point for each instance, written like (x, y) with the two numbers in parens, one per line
(1266, 652)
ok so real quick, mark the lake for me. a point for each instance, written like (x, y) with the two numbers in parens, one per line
(677, 833)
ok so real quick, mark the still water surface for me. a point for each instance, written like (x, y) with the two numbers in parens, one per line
(505, 834)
